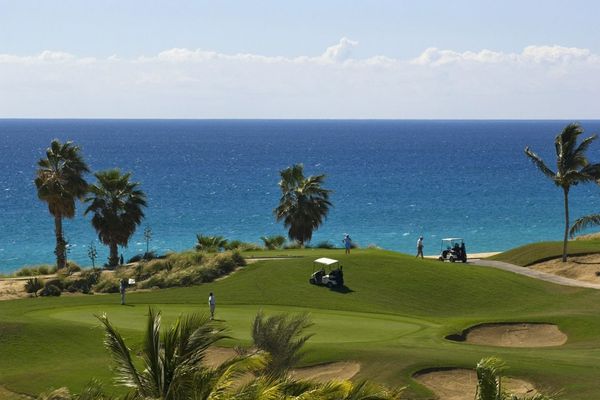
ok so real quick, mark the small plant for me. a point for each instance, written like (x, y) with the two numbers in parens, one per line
(72, 268)
(92, 253)
(147, 238)
(273, 242)
(33, 285)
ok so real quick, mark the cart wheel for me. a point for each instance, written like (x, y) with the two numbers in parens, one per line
(464, 261)
(452, 259)
(311, 281)
(440, 258)
(329, 285)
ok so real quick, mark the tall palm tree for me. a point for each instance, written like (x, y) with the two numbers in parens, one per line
(572, 167)
(304, 203)
(117, 204)
(59, 182)
(173, 366)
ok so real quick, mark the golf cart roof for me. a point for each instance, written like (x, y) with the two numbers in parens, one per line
(325, 261)
(452, 239)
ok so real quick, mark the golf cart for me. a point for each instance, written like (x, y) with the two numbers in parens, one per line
(453, 249)
(335, 277)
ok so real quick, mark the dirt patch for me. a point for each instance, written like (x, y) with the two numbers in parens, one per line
(512, 335)
(257, 259)
(216, 356)
(583, 268)
(8, 395)
(461, 384)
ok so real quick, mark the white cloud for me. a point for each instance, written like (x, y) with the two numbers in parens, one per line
(339, 52)
(538, 82)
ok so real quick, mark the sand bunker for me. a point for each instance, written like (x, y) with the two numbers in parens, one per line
(461, 384)
(12, 289)
(512, 335)
(216, 356)
(583, 268)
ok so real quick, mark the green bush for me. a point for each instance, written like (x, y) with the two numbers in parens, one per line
(294, 245)
(239, 260)
(210, 244)
(36, 270)
(273, 242)
(72, 268)
(50, 289)
(325, 245)
(242, 246)
(107, 283)
(33, 285)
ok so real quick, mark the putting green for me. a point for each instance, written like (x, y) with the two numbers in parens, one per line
(333, 326)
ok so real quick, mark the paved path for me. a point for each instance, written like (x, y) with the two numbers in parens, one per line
(532, 273)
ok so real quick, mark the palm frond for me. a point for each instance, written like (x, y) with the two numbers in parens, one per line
(539, 163)
(127, 373)
(583, 223)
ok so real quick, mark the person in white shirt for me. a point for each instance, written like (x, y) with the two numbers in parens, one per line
(212, 304)
(420, 247)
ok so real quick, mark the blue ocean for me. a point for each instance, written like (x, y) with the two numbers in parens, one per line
(392, 181)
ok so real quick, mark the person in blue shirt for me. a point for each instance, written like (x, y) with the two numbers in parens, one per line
(347, 243)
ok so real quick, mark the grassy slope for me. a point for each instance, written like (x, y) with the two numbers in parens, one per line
(393, 321)
(536, 252)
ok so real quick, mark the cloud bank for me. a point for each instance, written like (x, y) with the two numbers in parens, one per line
(538, 82)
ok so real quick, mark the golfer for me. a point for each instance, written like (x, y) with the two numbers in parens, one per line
(211, 305)
(122, 288)
(420, 247)
(347, 243)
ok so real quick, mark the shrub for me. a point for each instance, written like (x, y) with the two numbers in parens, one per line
(72, 268)
(151, 255)
(273, 242)
(145, 270)
(58, 282)
(238, 258)
(50, 290)
(293, 245)
(33, 285)
(107, 284)
(84, 283)
(33, 271)
(242, 246)
(325, 245)
(210, 243)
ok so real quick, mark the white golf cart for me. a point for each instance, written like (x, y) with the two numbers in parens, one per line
(335, 277)
(453, 249)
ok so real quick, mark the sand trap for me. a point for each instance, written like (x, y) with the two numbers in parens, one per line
(512, 335)
(583, 268)
(461, 384)
(216, 356)
(13, 289)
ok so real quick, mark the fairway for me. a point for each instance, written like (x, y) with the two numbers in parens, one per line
(392, 320)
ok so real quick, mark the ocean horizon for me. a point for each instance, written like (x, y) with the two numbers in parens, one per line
(392, 181)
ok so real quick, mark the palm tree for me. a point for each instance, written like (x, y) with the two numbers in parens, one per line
(59, 183)
(210, 243)
(173, 365)
(117, 207)
(572, 167)
(489, 382)
(273, 242)
(303, 204)
(281, 337)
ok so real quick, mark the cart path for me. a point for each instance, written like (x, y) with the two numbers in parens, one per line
(532, 273)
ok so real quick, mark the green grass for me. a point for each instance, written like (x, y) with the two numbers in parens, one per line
(393, 321)
(537, 252)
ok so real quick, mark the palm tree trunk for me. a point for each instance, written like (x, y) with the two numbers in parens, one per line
(566, 237)
(61, 261)
(113, 259)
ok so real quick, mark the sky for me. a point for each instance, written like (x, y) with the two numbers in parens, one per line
(299, 59)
